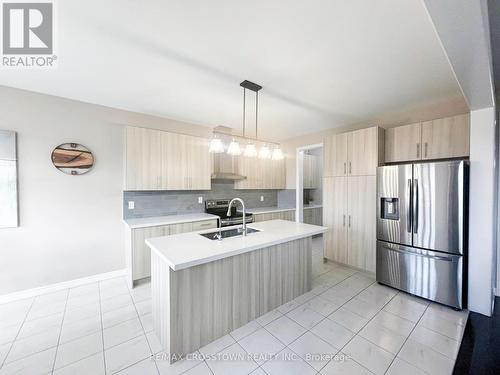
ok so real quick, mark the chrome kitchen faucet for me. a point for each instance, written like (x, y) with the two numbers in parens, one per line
(243, 205)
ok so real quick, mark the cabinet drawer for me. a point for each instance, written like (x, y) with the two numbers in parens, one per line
(207, 224)
(428, 274)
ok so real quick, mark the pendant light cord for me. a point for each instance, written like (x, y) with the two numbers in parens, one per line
(244, 106)
(256, 112)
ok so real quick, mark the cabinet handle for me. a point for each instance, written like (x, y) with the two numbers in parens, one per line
(350, 168)
(344, 220)
(349, 221)
(345, 168)
(425, 150)
(418, 150)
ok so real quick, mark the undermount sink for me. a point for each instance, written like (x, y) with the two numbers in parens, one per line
(227, 233)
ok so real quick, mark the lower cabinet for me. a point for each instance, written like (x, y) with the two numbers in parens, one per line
(139, 254)
(313, 216)
(349, 212)
(281, 215)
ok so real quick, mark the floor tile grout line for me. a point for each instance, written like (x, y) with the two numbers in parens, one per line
(18, 331)
(368, 322)
(145, 335)
(356, 333)
(48, 329)
(430, 329)
(60, 332)
(407, 338)
(427, 307)
(102, 329)
(309, 330)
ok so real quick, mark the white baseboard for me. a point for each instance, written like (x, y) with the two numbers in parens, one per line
(29, 293)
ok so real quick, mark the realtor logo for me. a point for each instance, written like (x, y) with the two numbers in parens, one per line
(28, 34)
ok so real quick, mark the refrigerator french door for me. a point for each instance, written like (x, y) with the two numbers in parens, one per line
(421, 229)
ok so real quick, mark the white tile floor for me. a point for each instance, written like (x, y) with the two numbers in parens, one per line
(347, 324)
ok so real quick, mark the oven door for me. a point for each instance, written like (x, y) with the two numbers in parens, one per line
(228, 221)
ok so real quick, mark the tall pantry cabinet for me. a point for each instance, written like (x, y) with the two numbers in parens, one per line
(349, 190)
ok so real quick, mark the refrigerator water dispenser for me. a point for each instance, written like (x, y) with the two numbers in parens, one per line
(390, 208)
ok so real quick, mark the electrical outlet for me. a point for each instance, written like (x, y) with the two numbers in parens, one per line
(200, 200)
(262, 198)
(131, 205)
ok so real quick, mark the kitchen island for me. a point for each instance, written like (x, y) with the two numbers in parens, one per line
(202, 289)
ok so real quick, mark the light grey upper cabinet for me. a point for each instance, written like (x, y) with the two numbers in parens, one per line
(260, 173)
(158, 160)
(436, 139)
(356, 153)
(446, 137)
(403, 143)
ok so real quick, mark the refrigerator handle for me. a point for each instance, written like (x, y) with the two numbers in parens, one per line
(408, 206)
(415, 206)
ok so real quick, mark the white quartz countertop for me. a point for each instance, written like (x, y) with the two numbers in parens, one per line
(166, 220)
(186, 250)
(266, 210)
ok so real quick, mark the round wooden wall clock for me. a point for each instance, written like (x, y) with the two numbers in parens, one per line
(72, 158)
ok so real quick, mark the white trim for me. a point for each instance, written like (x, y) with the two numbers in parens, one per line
(29, 293)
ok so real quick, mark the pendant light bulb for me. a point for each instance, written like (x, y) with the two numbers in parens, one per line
(234, 148)
(250, 151)
(216, 146)
(264, 152)
(277, 154)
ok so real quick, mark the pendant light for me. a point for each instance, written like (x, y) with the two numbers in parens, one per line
(216, 146)
(264, 152)
(277, 154)
(234, 148)
(250, 149)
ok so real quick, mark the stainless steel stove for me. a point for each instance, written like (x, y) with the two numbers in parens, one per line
(219, 207)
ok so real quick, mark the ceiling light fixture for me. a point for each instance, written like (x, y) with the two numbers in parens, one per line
(216, 146)
(250, 150)
(264, 152)
(234, 148)
(277, 154)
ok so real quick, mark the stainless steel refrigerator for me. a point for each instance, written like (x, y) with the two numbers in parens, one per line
(422, 229)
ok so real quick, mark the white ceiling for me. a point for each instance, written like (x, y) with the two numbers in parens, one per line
(463, 28)
(323, 63)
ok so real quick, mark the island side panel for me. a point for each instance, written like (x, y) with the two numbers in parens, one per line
(210, 300)
(160, 293)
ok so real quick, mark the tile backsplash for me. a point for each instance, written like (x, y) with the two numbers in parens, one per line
(159, 203)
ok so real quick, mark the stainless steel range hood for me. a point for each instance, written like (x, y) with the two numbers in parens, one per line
(227, 176)
(226, 167)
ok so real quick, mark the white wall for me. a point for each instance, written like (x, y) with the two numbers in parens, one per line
(482, 211)
(70, 226)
